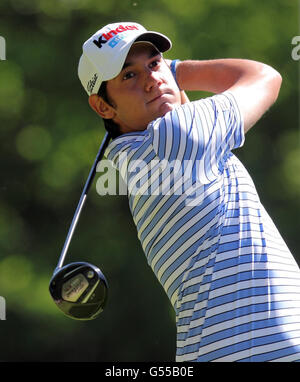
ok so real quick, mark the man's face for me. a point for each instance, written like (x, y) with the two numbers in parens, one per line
(144, 90)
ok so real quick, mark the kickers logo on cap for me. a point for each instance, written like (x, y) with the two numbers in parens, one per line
(105, 37)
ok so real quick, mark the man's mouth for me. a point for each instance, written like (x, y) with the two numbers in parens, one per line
(156, 97)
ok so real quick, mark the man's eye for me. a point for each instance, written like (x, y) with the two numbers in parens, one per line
(128, 75)
(154, 64)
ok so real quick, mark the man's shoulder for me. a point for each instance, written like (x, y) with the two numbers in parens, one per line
(224, 101)
(184, 113)
(126, 142)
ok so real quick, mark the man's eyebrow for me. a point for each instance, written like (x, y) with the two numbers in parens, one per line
(153, 53)
(126, 64)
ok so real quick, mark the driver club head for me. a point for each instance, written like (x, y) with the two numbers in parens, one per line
(79, 290)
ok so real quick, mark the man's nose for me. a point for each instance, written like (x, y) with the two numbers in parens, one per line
(152, 79)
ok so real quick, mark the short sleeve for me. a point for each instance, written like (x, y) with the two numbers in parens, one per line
(202, 132)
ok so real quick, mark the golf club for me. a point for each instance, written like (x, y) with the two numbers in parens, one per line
(79, 289)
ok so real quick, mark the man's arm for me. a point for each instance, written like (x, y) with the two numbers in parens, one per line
(255, 85)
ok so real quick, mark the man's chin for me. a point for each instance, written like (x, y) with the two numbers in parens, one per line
(165, 108)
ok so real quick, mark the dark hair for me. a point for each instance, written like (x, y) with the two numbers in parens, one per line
(110, 126)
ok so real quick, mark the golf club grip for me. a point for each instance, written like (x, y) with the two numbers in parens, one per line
(82, 199)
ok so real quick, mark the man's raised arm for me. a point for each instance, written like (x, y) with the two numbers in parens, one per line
(255, 85)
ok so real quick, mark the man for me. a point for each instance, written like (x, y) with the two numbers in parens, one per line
(229, 275)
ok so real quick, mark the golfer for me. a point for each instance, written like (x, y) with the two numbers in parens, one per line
(233, 283)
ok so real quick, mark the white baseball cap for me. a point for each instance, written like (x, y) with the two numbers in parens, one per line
(105, 52)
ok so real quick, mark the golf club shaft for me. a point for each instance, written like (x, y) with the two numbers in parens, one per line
(82, 200)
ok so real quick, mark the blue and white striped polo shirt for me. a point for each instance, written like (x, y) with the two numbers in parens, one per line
(233, 283)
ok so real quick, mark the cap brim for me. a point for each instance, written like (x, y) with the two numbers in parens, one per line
(161, 42)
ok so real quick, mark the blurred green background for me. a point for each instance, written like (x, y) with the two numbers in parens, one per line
(49, 139)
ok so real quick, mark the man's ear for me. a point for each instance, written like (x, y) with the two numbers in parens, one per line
(101, 107)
